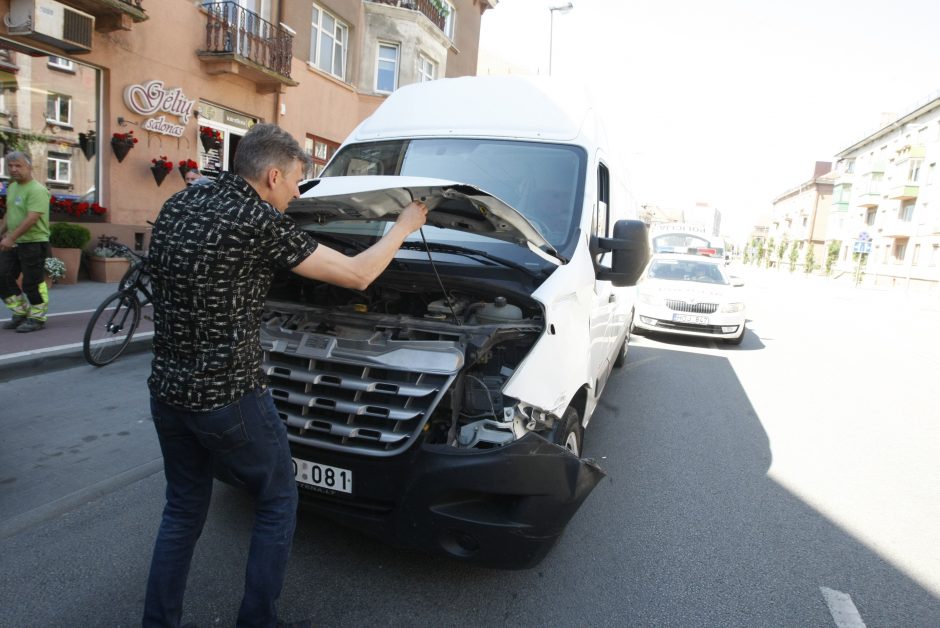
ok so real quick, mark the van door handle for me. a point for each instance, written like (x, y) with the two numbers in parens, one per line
(612, 298)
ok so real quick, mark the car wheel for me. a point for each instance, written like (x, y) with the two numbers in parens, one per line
(739, 339)
(568, 432)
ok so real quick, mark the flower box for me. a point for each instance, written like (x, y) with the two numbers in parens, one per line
(107, 269)
(72, 259)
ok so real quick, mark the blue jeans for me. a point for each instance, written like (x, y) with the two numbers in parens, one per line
(248, 439)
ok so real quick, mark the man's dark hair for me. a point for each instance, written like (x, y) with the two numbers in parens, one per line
(266, 146)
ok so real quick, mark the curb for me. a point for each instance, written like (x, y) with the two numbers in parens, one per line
(29, 363)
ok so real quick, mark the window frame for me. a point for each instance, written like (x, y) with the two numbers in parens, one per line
(59, 99)
(316, 36)
(423, 62)
(66, 65)
(450, 20)
(58, 160)
(378, 60)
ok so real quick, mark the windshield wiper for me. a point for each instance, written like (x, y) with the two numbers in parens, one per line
(468, 252)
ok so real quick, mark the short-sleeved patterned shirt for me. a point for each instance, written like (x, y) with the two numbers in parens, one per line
(213, 253)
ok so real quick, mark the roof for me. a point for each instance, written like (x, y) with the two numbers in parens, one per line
(518, 107)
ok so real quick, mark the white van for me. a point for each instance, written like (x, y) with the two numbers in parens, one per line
(444, 407)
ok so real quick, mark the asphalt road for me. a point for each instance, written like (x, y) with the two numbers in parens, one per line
(791, 481)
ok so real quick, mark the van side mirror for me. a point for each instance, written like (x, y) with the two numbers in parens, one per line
(631, 251)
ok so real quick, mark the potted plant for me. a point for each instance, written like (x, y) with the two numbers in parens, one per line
(55, 269)
(107, 262)
(186, 165)
(87, 142)
(122, 143)
(160, 167)
(210, 138)
(67, 241)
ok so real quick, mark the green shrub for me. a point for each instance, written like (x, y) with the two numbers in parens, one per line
(64, 235)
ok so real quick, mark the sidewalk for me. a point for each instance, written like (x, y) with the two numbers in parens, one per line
(60, 342)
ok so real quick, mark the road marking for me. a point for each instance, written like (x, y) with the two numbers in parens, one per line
(842, 609)
(74, 345)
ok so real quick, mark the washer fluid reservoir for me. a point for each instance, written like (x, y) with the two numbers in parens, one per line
(498, 312)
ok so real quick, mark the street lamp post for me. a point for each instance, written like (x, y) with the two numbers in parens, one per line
(551, 29)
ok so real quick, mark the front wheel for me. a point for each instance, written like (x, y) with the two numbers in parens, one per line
(111, 328)
(569, 433)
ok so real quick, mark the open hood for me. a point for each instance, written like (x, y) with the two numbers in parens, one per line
(451, 205)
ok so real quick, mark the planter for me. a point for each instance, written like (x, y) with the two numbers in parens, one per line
(209, 142)
(159, 173)
(72, 259)
(88, 144)
(121, 148)
(107, 269)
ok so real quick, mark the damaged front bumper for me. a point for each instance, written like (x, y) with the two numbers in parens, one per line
(503, 507)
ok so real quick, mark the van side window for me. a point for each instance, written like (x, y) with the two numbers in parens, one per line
(601, 220)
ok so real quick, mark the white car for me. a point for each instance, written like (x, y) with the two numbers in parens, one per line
(690, 295)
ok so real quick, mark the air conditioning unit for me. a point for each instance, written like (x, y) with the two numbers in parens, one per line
(50, 22)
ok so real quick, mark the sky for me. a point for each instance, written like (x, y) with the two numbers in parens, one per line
(724, 102)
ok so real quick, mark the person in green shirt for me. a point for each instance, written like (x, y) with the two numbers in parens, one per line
(24, 247)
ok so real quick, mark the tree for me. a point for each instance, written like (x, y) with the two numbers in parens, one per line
(794, 254)
(770, 251)
(832, 254)
(810, 261)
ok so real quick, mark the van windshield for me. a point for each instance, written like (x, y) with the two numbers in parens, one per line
(541, 181)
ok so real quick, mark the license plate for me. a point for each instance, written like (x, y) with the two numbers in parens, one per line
(322, 476)
(690, 318)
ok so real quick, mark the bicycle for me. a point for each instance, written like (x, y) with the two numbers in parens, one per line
(114, 322)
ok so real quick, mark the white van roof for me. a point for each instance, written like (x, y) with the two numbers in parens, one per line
(518, 107)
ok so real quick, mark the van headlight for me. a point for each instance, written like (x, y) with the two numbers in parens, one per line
(732, 307)
(649, 298)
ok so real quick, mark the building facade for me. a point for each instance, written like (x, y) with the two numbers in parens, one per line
(96, 91)
(887, 193)
(799, 219)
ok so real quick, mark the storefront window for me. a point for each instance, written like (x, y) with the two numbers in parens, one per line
(49, 110)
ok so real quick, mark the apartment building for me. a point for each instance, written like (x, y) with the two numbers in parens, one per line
(799, 218)
(888, 193)
(80, 80)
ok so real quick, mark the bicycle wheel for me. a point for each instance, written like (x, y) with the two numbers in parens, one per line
(111, 328)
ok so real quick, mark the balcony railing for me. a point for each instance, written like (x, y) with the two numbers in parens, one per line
(260, 49)
(423, 6)
(111, 15)
(904, 192)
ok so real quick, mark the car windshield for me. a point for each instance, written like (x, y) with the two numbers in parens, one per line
(541, 181)
(687, 270)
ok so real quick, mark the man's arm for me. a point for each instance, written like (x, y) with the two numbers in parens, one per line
(9, 238)
(357, 272)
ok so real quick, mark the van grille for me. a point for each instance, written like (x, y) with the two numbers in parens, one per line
(694, 308)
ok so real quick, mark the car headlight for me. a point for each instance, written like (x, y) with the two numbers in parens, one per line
(649, 298)
(732, 307)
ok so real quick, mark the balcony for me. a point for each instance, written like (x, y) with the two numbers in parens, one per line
(904, 192)
(111, 15)
(896, 228)
(422, 6)
(239, 42)
(869, 199)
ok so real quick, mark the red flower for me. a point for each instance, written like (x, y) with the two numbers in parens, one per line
(189, 164)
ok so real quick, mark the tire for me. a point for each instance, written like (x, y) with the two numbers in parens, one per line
(621, 358)
(569, 433)
(111, 328)
(739, 339)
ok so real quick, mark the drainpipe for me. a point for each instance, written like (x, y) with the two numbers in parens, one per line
(279, 104)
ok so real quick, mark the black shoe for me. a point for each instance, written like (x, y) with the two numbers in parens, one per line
(30, 324)
(303, 623)
(14, 322)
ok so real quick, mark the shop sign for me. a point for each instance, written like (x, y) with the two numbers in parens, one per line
(151, 97)
(225, 116)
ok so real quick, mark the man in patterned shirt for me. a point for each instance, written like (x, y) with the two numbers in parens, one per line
(213, 253)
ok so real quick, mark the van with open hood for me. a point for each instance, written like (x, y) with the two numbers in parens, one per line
(444, 407)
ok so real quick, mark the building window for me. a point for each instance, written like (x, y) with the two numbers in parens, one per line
(328, 41)
(906, 211)
(58, 169)
(427, 70)
(59, 63)
(450, 20)
(934, 255)
(900, 250)
(913, 170)
(916, 259)
(320, 152)
(386, 72)
(870, 216)
(931, 173)
(59, 109)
